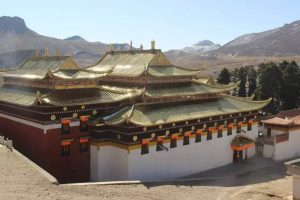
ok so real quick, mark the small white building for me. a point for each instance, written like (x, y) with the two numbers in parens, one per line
(293, 167)
(282, 135)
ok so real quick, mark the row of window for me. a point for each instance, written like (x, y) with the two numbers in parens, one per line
(186, 139)
(65, 126)
(65, 149)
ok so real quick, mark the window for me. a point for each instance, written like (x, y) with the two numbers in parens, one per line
(84, 145)
(209, 135)
(173, 142)
(83, 123)
(198, 138)
(145, 149)
(159, 145)
(269, 132)
(186, 138)
(220, 133)
(249, 127)
(65, 127)
(229, 131)
(238, 128)
(65, 149)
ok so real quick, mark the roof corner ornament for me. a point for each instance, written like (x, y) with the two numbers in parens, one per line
(153, 45)
(50, 72)
(141, 47)
(130, 46)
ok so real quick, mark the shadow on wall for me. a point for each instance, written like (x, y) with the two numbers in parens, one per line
(253, 171)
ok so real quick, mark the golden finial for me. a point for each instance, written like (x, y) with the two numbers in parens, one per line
(153, 44)
(46, 52)
(58, 52)
(37, 53)
(141, 47)
(130, 46)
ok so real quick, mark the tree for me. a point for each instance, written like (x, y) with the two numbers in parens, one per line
(290, 84)
(243, 78)
(224, 76)
(270, 83)
(252, 76)
(235, 78)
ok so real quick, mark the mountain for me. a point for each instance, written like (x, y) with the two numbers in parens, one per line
(19, 42)
(201, 47)
(280, 41)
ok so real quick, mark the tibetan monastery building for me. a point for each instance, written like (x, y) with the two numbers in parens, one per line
(131, 116)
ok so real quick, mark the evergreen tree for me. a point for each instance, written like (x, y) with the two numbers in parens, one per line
(252, 77)
(270, 83)
(290, 84)
(243, 78)
(235, 78)
(224, 76)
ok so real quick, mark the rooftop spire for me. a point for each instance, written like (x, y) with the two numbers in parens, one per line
(46, 52)
(37, 53)
(58, 52)
(130, 46)
(152, 44)
(141, 47)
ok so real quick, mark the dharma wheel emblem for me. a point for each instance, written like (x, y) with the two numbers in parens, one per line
(180, 130)
(186, 122)
(210, 118)
(118, 136)
(240, 114)
(65, 108)
(160, 126)
(53, 117)
(94, 112)
(145, 129)
(173, 124)
(152, 135)
(199, 120)
(221, 117)
(193, 128)
(204, 125)
(234, 120)
(83, 107)
(134, 138)
(167, 132)
(245, 118)
(75, 115)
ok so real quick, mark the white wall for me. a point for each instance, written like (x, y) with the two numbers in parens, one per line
(113, 163)
(268, 151)
(288, 149)
(296, 186)
(109, 163)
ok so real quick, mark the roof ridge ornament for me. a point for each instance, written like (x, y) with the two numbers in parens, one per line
(130, 45)
(46, 52)
(37, 53)
(153, 44)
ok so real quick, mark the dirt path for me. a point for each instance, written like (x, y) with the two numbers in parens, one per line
(18, 180)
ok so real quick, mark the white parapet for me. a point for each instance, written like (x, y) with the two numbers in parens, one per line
(110, 162)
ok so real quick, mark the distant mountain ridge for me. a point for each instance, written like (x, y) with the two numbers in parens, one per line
(280, 41)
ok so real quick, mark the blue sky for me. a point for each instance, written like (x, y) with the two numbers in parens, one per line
(174, 24)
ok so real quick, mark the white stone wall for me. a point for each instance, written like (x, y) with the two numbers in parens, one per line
(288, 149)
(109, 163)
(113, 163)
(296, 187)
(268, 151)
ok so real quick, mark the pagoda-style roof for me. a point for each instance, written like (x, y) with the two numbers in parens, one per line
(241, 142)
(38, 67)
(195, 88)
(76, 74)
(27, 96)
(134, 63)
(152, 114)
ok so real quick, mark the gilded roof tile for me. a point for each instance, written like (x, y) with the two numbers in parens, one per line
(147, 115)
